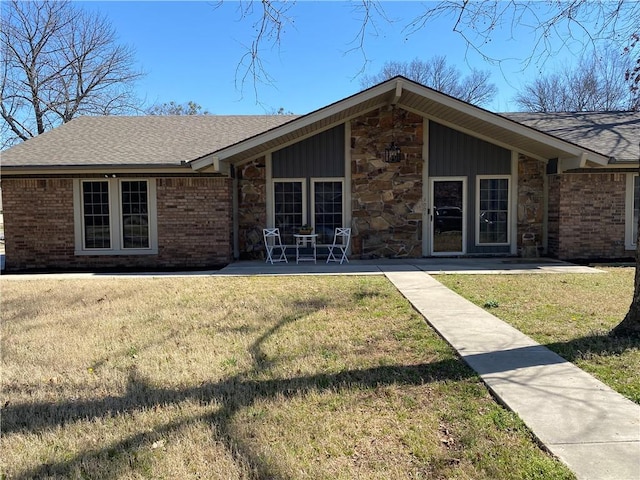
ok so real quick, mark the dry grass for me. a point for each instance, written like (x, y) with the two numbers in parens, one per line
(570, 314)
(235, 378)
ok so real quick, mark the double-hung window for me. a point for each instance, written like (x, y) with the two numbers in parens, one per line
(492, 222)
(115, 217)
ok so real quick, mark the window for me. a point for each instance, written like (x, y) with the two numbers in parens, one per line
(632, 211)
(135, 214)
(95, 213)
(327, 208)
(289, 200)
(115, 217)
(492, 226)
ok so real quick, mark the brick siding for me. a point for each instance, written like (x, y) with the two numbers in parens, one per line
(194, 226)
(587, 215)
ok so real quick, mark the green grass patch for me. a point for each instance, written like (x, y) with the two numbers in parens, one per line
(237, 378)
(571, 314)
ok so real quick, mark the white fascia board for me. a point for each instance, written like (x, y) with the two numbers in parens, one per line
(499, 121)
(202, 162)
(398, 93)
(302, 122)
(573, 162)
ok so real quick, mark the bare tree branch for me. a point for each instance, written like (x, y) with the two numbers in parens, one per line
(596, 83)
(435, 73)
(59, 62)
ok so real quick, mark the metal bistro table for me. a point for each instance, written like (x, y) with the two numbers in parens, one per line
(304, 243)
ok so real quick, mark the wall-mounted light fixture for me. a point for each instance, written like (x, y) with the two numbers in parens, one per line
(392, 153)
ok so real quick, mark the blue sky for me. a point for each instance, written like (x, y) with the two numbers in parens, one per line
(191, 51)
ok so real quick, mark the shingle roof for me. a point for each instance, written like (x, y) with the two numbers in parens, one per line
(138, 141)
(614, 134)
(171, 140)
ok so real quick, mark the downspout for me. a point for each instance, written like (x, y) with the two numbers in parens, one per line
(234, 213)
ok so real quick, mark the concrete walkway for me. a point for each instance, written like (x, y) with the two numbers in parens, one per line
(592, 429)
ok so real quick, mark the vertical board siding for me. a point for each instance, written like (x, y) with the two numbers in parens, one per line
(456, 154)
(319, 156)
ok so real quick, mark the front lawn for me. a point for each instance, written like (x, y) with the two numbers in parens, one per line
(571, 314)
(237, 378)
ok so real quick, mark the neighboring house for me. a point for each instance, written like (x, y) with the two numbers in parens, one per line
(196, 191)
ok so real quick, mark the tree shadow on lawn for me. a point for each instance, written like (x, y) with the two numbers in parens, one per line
(228, 397)
(595, 344)
(232, 394)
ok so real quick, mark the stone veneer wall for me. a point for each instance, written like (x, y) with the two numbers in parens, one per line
(194, 226)
(590, 209)
(252, 209)
(553, 216)
(531, 177)
(386, 197)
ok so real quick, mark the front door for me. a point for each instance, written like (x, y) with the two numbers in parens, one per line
(448, 200)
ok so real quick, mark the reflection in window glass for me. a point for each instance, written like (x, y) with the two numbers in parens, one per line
(328, 209)
(636, 206)
(494, 210)
(448, 198)
(135, 214)
(288, 209)
(95, 212)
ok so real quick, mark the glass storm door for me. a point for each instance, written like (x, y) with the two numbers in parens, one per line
(447, 220)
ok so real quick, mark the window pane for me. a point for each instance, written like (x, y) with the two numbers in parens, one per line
(636, 207)
(328, 209)
(135, 215)
(494, 210)
(95, 208)
(288, 209)
(448, 212)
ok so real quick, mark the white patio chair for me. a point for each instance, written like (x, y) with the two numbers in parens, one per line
(273, 244)
(339, 246)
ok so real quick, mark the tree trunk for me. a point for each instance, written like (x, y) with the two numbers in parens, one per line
(630, 325)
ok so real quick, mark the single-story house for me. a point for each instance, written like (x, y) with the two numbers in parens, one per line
(412, 171)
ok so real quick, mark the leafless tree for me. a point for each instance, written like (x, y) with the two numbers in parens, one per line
(57, 62)
(596, 83)
(548, 27)
(436, 73)
(174, 108)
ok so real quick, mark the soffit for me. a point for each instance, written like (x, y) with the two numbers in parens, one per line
(423, 101)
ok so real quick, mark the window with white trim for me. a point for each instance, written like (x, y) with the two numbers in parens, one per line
(115, 217)
(289, 203)
(327, 207)
(632, 210)
(492, 222)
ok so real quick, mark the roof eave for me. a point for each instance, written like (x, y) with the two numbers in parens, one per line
(390, 93)
(296, 124)
(106, 168)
